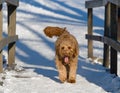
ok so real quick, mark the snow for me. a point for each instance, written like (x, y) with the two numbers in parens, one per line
(35, 71)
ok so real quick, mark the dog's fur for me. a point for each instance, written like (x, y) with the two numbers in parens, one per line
(67, 51)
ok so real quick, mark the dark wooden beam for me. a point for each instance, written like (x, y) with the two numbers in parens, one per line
(106, 53)
(113, 34)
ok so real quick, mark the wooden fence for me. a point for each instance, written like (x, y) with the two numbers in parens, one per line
(111, 44)
(9, 41)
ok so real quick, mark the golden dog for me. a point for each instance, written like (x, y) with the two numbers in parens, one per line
(67, 51)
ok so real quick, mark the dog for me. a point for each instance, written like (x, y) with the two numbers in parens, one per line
(67, 51)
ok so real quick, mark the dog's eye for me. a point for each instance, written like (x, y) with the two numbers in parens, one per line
(62, 48)
(69, 47)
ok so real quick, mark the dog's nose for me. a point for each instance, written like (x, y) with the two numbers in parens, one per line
(66, 53)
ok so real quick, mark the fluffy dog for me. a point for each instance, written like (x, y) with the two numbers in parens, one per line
(67, 51)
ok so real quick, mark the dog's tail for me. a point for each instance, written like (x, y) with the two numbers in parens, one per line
(54, 31)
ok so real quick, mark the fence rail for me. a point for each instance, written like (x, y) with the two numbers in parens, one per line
(111, 44)
(12, 2)
(105, 40)
(12, 37)
(98, 3)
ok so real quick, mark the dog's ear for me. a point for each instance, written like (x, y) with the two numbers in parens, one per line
(57, 49)
(76, 51)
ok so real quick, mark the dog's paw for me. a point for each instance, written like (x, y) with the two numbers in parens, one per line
(71, 81)
(62, 80)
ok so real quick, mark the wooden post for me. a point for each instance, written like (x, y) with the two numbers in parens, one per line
(11, 32)
(106, 34)
(113, 26)
(90, 32)
(1, 26)
(118, 24)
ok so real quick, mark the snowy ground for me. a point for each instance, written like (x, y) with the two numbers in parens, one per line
(35, 70)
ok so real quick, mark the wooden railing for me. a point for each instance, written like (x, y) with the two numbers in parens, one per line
(12, 37)
(111, 44)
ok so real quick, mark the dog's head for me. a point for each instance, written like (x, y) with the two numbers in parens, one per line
(67, 51)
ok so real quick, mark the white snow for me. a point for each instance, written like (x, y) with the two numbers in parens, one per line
(35, 71)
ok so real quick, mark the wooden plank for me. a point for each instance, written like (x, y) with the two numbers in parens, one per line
(106, 40)
(13, 2)
(1, 28)
(98, 3)
(113, 32)
(11, 32)
(94, 37)
(106, 61)
(95, 3)
(90, 29)
(8, 40)
(114, 44)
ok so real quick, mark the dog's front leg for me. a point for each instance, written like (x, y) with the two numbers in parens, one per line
(61, 69)
(72, 72)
